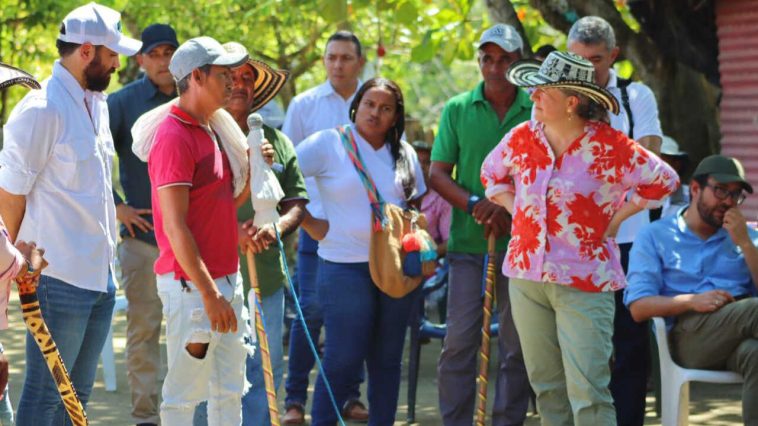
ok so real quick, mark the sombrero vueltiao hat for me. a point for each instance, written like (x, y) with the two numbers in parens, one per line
(11, 75)
(562, 70)
(268, 81)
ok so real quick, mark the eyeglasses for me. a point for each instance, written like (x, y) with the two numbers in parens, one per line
(721, 193)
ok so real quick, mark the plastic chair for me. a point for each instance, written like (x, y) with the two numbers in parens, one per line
(107, 356)
(675, 388)
(423, 329)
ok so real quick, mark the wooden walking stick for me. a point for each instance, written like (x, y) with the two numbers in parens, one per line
(484, 351)
(265, 193)
(27, 293)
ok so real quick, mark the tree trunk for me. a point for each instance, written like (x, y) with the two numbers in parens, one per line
(687, 101)
(502, 11)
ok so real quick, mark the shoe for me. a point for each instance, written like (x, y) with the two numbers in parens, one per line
(294, 414)
(355, 411)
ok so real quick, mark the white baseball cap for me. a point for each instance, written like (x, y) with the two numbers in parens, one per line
(199, 51)
(504, 36)
(98, 25)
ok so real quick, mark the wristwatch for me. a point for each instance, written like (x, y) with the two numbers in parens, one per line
(472, 200)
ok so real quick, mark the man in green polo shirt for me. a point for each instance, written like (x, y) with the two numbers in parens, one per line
(471, 125)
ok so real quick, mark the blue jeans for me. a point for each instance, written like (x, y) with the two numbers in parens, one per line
(78, 321)
(362, 325)
(6, 409)
(254, 403)
(301, 358)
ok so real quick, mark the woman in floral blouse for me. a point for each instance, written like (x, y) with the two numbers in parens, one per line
(564, 177)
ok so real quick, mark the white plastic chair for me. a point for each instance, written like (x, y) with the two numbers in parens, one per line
(107, 356)
(675, 387)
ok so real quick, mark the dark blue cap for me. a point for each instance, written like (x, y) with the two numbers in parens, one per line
(157, 34)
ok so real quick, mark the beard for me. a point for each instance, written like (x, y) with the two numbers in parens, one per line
(708, 213)
(96, 76)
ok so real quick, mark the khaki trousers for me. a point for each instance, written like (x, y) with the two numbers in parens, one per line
(566, 339)
(723, 340)
(143, 327)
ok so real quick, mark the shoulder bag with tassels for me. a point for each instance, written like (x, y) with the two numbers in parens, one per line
(394, 270)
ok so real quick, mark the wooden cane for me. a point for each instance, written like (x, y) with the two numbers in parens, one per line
(484, 351)
(268, 375)
(35, 323)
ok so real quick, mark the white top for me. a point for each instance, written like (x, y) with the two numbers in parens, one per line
(62, 160)
(315, 109)
(323, 157)
(645, 114)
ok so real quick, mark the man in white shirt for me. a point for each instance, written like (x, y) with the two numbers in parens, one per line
(593, 38)
(322, 107)
(55, 188)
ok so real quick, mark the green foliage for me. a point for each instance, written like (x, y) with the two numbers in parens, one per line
(430, 44)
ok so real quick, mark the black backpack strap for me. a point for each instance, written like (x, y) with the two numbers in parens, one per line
(622, 84)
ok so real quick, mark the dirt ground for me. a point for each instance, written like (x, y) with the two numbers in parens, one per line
(712, 405)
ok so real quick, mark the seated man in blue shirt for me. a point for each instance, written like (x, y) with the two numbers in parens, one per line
(700, 266)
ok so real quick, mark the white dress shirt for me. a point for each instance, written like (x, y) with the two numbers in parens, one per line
(60, 157)
(316, 109)
(645, 115)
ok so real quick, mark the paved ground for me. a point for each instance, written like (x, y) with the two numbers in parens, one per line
(712, 405)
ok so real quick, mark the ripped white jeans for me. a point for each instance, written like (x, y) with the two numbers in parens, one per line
(219, 377)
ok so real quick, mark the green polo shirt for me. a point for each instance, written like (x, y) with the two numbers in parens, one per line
(268, 264)
(469, 129)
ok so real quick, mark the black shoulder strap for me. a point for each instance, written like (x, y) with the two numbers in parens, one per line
(622, 84)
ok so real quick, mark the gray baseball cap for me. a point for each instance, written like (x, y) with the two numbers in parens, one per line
(199, 51)
(504, 36)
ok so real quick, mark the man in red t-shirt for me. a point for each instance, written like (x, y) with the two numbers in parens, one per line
(196, 231)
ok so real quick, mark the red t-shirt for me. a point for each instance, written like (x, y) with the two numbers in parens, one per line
(185, 154)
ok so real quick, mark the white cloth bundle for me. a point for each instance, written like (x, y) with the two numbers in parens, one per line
(265, 191)
(232, 139)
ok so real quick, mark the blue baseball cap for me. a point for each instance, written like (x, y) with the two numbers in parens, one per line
(157, 34)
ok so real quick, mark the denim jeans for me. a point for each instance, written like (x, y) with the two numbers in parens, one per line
(254, 402)
(6, 409)
(219, 377)
(301, 358)
(78, 321)
(362, 325)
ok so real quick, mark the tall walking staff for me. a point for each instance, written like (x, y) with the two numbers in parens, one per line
(484, 351)
(265, 193)
(27, 282)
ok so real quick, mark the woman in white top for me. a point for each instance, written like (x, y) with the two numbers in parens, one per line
(362, 323)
